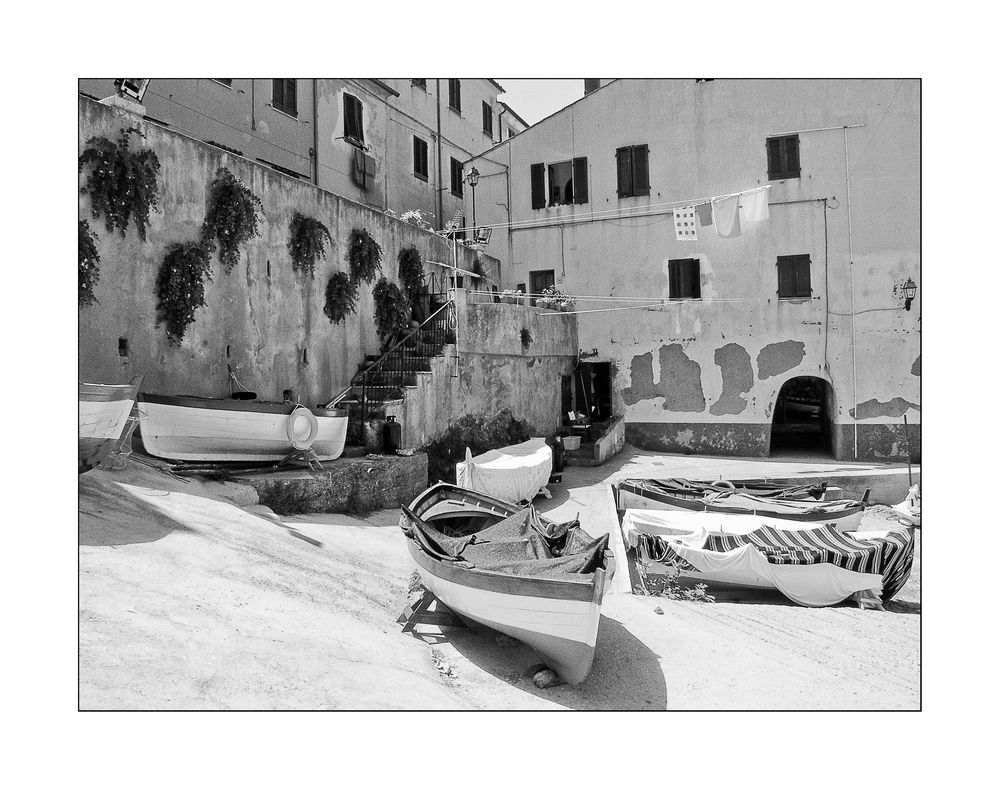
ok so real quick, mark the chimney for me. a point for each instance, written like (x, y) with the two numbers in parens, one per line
(589, 86)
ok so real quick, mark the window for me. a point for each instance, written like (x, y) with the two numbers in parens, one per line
(364, 169)
(633, 170)
(456, 177)
(685, 279)
(539, 281)
(420, 158)
(793, 277)
(283, 96)
(567, 183)
(354, 127)
(783, 157)
(419, 84)
(455, 95)
(487, 119)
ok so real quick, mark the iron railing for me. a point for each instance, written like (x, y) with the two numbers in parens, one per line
(398, 365)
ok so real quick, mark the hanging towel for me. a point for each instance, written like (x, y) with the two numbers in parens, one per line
(753, 206)
(684, 225)
(704, 212)
(727, 216)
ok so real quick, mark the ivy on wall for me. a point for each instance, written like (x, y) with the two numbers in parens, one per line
(231, 219)
(307, 238)
(90, 264)
(364, 256)
(341, 297)
(411, 271)
(180, 287)
(122, 184)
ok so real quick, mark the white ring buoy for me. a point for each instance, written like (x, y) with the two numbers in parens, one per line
(301, 428)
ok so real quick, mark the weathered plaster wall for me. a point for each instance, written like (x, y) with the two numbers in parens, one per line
(263, 319)
(703, 375)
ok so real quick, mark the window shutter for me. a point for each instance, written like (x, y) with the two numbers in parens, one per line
(359, 125)
(693, 289)
(674, 279)
(803, 284)
(290, 99)
(278, 92)
(792, 156)
(786, 278)
(624, 156)
(538, 186)
(640, 169)
(773, 158)
(580, 180)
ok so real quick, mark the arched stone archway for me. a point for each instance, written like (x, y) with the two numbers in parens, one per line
(802, 419)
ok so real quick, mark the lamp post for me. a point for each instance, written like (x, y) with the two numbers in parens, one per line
(472, 179)
(909, 291)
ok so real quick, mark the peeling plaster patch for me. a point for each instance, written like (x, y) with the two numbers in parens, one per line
(737, 378)
(680, 380)
(876, 408)
(642, 387)
(685, 438)
(915, 370)
(776, 358)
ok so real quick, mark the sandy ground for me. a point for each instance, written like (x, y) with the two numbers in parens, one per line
(193, 597)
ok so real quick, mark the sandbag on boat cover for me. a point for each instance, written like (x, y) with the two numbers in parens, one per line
(882, 563)
(515, 473)
(520, 545)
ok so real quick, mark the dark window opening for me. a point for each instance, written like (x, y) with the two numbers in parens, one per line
(793, 277)
(685, 278)
(354, 128)
(456, 178)
(487, 120)
(633, 170)
(283, 96)
(419, 84)
(455, 95)
(539, 281)
(420, 158)
(783, 157)
(123, 350)
(567, 182)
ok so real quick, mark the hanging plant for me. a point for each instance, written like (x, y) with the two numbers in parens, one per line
(341, 297)
(231, 219)
(411, 271)
(90, 263)
(180, 287)
(526, 339)
(364, 255)
(307, 238)
(121, 183)
(392, 309)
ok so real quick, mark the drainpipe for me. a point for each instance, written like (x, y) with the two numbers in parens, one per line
(850, 255)
(440, 197)
(315, 134)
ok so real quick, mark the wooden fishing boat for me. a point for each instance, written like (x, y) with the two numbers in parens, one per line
(652, 495)
(506, 567)
(187, 428)
(103, 415)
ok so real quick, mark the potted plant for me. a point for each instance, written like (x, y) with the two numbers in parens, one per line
(511, 296)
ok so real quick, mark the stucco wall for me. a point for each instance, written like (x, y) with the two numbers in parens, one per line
(703, 375)
(269, 318)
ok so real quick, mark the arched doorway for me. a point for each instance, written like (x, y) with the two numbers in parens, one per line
(803, 418)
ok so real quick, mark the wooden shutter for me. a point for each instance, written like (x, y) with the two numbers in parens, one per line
(774, 158)
(538, 186)
(693, 285)
(278, 93)
(786, 277)
(580, 180)
(359, 120)
(792, 156)
(640, 170)
(350, 117)
(674, 279)
(803, 286)
(624, 157)
(291, 103)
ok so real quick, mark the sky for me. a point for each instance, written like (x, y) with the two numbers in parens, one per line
(537, 99)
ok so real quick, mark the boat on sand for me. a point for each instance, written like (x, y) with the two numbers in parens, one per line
(103, 414)
(506, 567)
(186, 428)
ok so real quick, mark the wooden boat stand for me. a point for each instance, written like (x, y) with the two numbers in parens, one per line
(308, 455)
(418, 613)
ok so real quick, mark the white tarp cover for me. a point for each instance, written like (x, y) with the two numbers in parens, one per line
(514, 474)
(820, 584)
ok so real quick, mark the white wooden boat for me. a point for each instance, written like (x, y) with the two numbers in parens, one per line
(186, 428)
(103, 414)
(655, 495)
(517, 473)
(475, 554)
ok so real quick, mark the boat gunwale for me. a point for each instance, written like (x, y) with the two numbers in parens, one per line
(107, 393)
(229, 404)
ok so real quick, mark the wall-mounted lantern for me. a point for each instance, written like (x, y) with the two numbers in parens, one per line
(472, 179)
(909, 291)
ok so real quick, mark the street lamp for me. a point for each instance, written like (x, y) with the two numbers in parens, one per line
(472, 179)
(909, 291)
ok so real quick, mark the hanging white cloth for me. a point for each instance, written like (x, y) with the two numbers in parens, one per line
(727, 216)
(753, 205)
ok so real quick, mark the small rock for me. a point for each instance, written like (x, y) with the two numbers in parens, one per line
(547, 679)
(658, 610)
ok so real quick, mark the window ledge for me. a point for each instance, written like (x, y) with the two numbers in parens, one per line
(420, 177)
(355, 142)
(457, 112)
(284, 112)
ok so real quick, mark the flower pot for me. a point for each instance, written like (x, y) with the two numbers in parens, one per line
(571, 442)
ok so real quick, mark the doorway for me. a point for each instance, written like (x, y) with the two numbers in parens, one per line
(594, 393)
(803, 418)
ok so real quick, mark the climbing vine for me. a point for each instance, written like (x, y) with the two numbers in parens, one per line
(364, 255)
(121, 183)
(180, 287)
(231, 218)
(90, 263)
(307, 238)
(392, 309)
(411, 271)
(341, 297)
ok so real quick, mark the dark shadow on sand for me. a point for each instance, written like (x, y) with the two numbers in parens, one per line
(626, 674)
(110, 516)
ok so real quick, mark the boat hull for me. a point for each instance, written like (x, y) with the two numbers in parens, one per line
(103, 414)
(209, 429)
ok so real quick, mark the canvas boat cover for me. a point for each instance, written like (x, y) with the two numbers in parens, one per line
(520, 545)
(814, 566)
(762, 488)
(515, 473)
